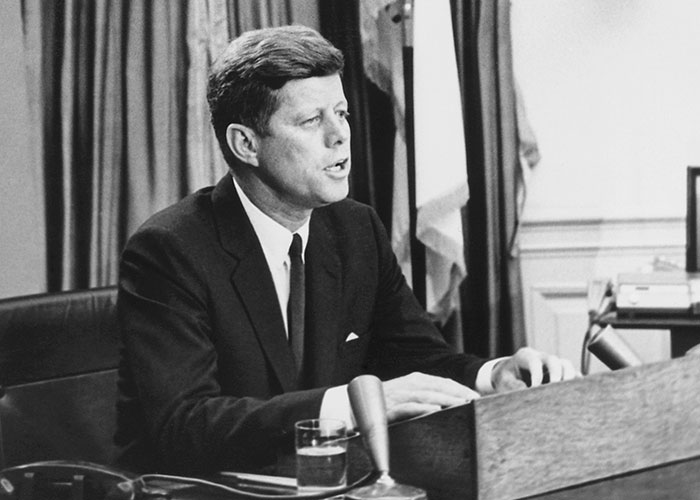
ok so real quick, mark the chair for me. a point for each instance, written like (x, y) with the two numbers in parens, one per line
(59, 354)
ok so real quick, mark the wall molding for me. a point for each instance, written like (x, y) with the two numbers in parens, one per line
(547, 290)
(590, 237)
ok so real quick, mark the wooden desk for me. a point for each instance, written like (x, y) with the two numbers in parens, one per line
(685, 330)
(627, 435)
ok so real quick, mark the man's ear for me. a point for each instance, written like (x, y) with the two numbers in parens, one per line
(242, 141)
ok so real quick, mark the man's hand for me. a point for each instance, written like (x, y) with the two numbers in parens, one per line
(513, 372)
(417, 394)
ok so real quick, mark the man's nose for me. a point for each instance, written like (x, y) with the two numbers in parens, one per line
(338, 131)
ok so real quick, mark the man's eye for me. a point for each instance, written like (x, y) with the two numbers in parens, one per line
(313, 120)
(343, 113)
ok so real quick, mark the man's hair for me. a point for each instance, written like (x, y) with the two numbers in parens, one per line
(245, 80)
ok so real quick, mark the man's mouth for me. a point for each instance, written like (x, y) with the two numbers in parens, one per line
(338, 166)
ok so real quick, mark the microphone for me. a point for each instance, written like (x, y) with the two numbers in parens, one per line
(612, 350)
(367, 402)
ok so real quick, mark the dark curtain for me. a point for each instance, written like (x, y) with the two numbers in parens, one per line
(492, 292)
(371, 112)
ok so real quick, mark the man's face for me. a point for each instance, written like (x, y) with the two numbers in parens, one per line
(305, 156)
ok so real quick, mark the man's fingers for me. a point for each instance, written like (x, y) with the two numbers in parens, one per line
(555, 368)
(529, 367)
(418, 393)
(507, 380)
(422, 382)
(534, 366)
(409, 410)
(560, 369)
(430, 397)
(544, 368)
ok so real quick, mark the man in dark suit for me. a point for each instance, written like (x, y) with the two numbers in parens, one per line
(210, 378)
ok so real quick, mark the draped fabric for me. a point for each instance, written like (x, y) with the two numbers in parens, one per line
(371, 111)
(492, 293)
(107, 96)
(117, 90)
(440, 158)
(207, 35)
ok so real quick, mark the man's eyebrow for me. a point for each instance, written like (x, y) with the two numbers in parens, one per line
(301, 114)
(305, 113)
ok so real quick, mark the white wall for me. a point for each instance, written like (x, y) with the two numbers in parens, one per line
(612, 89)
(22, 265)
(613, 92)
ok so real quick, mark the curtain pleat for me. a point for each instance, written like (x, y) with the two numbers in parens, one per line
(246, 15)
(154, 108)
(492, 296)
(207, 36)
(107, 122)
(40, 32)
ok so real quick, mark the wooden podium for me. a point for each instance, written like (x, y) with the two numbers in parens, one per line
(635, 430)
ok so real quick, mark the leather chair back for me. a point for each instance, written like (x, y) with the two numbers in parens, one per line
(59, 355)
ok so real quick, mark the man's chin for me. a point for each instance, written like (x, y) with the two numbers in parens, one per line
(334, 195)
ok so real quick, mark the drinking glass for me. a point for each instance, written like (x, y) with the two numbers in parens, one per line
(321, 454)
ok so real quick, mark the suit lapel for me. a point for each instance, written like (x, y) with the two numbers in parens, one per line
(252, 281)
(323, 287)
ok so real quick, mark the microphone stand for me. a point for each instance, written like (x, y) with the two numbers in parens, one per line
(401, 11)
(367, 401)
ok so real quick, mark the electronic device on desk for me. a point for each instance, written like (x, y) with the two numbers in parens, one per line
(666, 293)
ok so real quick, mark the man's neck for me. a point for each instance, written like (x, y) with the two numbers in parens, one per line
(265, 199)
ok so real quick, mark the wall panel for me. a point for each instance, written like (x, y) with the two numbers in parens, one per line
(560, 258)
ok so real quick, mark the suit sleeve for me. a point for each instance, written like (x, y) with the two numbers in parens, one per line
(405, 339)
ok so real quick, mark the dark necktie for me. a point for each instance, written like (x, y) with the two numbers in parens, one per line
(297, 301)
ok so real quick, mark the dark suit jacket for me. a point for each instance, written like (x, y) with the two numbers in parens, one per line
(207, 379)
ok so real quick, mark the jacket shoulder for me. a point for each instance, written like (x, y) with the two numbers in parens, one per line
(348, 211)
(192, 209)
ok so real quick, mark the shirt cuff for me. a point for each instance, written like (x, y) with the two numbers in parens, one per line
(483, 377)
(336, 405)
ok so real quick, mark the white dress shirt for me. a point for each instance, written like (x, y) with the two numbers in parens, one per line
(275, 240)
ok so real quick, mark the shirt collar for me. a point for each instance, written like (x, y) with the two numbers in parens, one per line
(274, 238)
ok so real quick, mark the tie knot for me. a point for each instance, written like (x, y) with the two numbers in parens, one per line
(295, 247)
